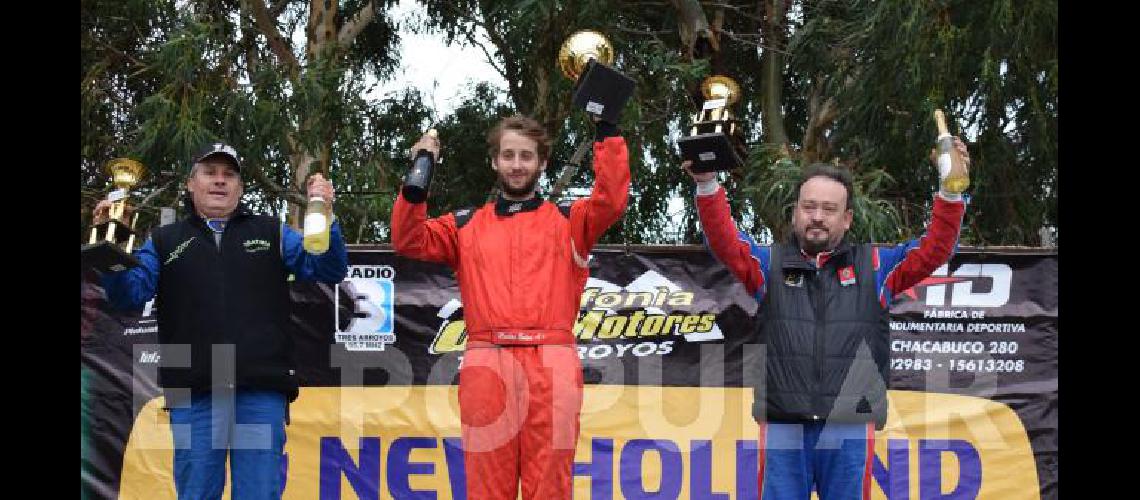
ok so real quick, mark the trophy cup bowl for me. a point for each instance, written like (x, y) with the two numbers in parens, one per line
(125, 172)
(714, 142)
(576, 52)
(721, 87)
(599, 89)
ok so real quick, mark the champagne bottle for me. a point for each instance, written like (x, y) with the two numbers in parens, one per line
(318, 221)
(951, 169)
(418, 181)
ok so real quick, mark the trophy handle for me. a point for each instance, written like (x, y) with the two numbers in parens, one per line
(116, 210)
(131, 238)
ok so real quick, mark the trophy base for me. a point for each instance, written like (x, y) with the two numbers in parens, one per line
(602, 91)
(122, 230)
(106, 257)
(710, 152)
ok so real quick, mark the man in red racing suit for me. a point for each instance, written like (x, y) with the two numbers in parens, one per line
(521, 264)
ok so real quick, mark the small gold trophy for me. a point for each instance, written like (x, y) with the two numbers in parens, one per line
(598, 88)
(112, 240)
(715, 141)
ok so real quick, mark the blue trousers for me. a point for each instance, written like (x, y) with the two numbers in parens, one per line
(247, 425)
(833, 458)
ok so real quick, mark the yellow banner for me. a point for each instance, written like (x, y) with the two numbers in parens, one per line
(636, 442)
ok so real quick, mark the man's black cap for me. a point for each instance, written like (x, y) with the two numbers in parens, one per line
(217, 148)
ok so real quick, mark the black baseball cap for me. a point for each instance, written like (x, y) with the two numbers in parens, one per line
(217, 148)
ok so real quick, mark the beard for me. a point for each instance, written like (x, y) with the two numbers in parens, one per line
(526, 189)
(816, 245)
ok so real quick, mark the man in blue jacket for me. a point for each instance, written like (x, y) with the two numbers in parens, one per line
(221, 280)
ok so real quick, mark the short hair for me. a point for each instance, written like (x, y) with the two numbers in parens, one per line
(832, 172)
(524, 125)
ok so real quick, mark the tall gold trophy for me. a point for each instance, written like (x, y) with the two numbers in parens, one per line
(598, 88)
(715, 141)
(112, 240)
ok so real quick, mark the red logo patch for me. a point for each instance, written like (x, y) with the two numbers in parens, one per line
(847, 275)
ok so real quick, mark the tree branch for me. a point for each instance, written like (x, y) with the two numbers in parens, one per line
(636, 31)
(155, 193)
(278, 8)
(772, 73)
(570, 168)
(362, 226)
(470, 35)
(321, 30)
(356, 25)
(743, 38)
(739, 11)
(247, 45)
(292, 195)
(820, 116)
(267, 27)
(697, 39)
(510, 67)
(299, 158)
(118, 52)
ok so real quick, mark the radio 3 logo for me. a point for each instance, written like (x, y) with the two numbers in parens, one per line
(368, 319)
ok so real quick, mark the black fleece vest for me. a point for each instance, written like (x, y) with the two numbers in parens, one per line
(223, 310)
(826, 342)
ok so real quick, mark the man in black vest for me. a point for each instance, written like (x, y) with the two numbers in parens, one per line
(824, 311)
(220, 281)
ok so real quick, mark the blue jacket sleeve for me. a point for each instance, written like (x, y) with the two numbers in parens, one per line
(905, 265)
(330, 267)
(132, 288)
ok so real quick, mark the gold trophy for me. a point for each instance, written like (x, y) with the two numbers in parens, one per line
(598, 88)
(112, 240)
(715, 141)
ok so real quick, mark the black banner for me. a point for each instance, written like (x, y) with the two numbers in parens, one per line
(984, 326)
